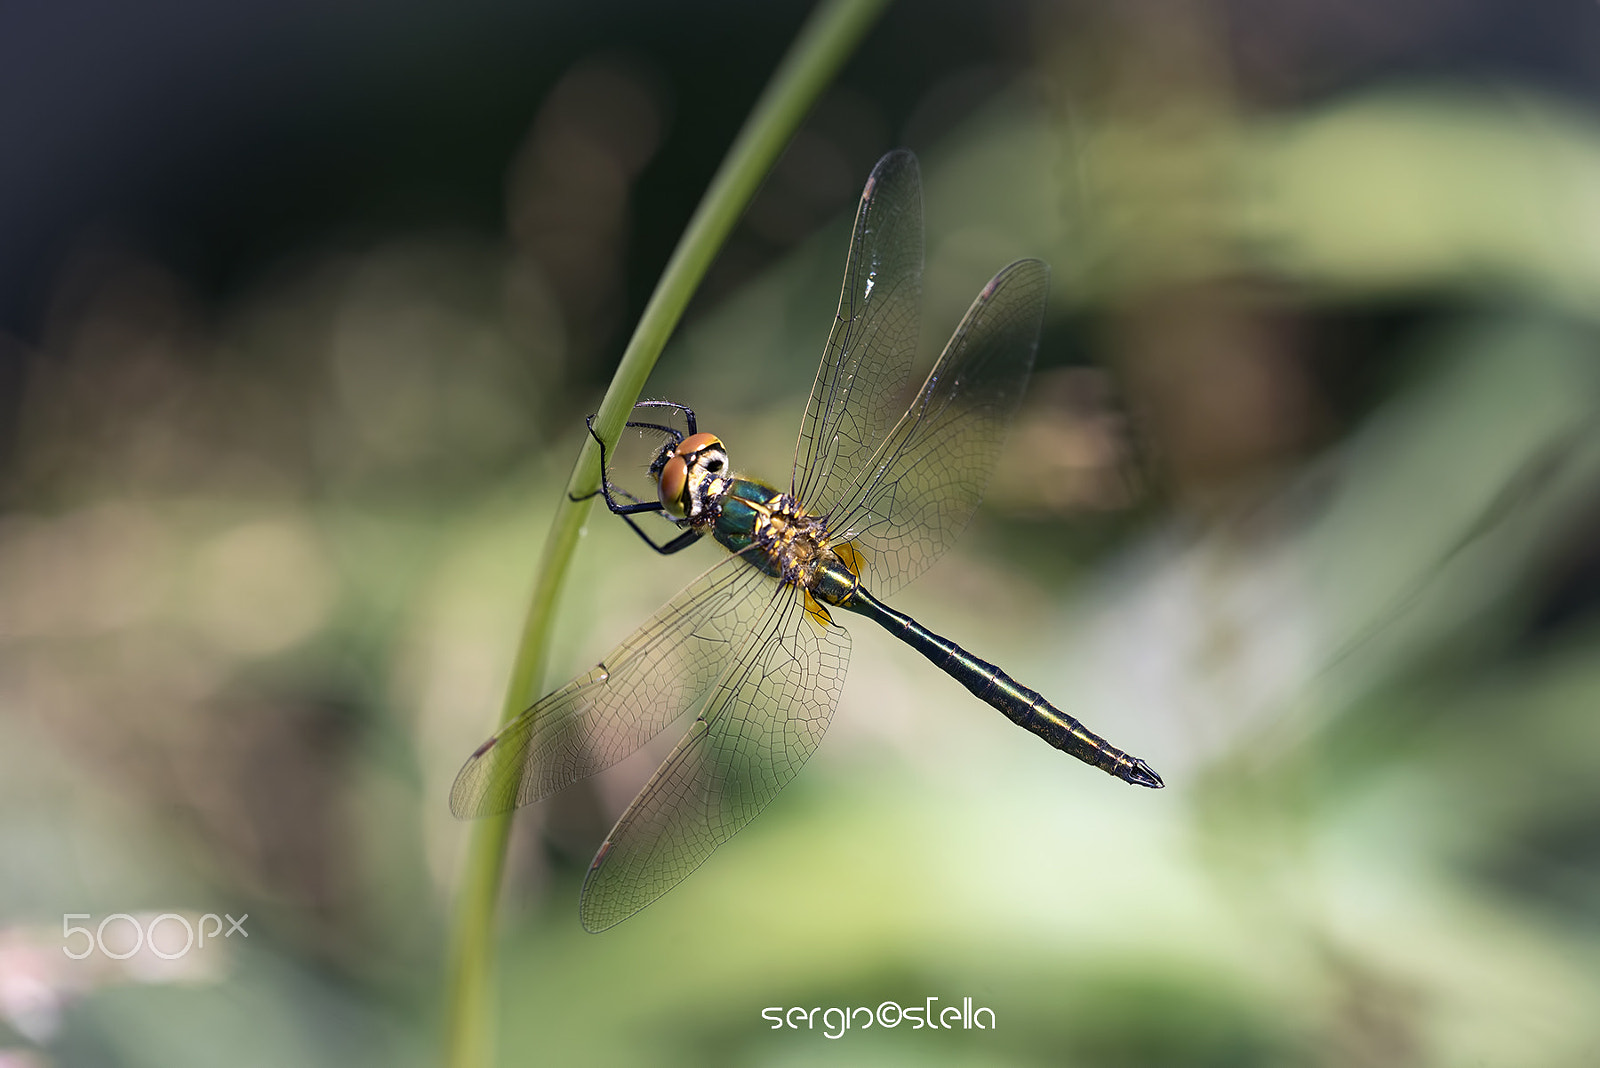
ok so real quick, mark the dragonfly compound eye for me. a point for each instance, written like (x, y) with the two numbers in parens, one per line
(696, 443)
(672, 486)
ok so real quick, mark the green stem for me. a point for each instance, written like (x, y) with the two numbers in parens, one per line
(828, 37)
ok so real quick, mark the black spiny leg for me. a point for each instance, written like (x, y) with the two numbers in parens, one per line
(688, 418)
(628, 511)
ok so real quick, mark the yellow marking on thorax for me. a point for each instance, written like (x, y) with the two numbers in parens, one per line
(819, 615)
(850, 556)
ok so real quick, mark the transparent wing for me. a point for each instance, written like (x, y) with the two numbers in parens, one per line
(915, 496)
(661, 671)
(766, 718)
(861, 382)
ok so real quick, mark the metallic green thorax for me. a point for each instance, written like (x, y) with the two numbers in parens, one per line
(740, 515)
(774, 533)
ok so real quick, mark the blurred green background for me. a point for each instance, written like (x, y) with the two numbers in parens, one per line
(302, 305)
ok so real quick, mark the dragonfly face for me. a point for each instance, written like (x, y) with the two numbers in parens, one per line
(748, 653)
(691, 476)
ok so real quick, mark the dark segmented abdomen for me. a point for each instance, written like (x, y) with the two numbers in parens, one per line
(1024, 707)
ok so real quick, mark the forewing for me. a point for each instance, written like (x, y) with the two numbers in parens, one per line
(914, 498)
(861, 382)
(764, 721)
(661, 671)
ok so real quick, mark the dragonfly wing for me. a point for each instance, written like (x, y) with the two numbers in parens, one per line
(661, 671)
(916, 495)
(861, 382)
(769, 712)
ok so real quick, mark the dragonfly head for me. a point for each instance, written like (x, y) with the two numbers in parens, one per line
(686, 473)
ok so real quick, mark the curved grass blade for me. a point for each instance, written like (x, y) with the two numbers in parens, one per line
(828, 37)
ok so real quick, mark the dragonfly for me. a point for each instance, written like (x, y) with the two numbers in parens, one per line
(751, 648)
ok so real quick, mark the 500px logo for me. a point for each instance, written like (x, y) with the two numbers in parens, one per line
(146, 932)
(836, 1020)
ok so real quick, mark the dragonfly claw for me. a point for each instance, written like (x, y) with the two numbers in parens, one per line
(1141, 774)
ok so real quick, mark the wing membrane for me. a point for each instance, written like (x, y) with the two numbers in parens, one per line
(661, 671)
(765, 720)
(861, 382)
(916, 495)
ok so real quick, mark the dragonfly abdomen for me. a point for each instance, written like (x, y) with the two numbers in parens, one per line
(1024, 707)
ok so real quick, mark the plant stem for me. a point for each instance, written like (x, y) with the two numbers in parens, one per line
(828, 37)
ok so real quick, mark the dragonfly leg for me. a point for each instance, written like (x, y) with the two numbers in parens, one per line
(688, 415)
(682, 541)
(672, 433)
(628, 511)
(605, 482)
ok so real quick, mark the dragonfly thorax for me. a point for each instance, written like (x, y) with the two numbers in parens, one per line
(774, 533)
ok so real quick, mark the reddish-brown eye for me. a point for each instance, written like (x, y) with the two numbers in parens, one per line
(673, 486)
(695, 442)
